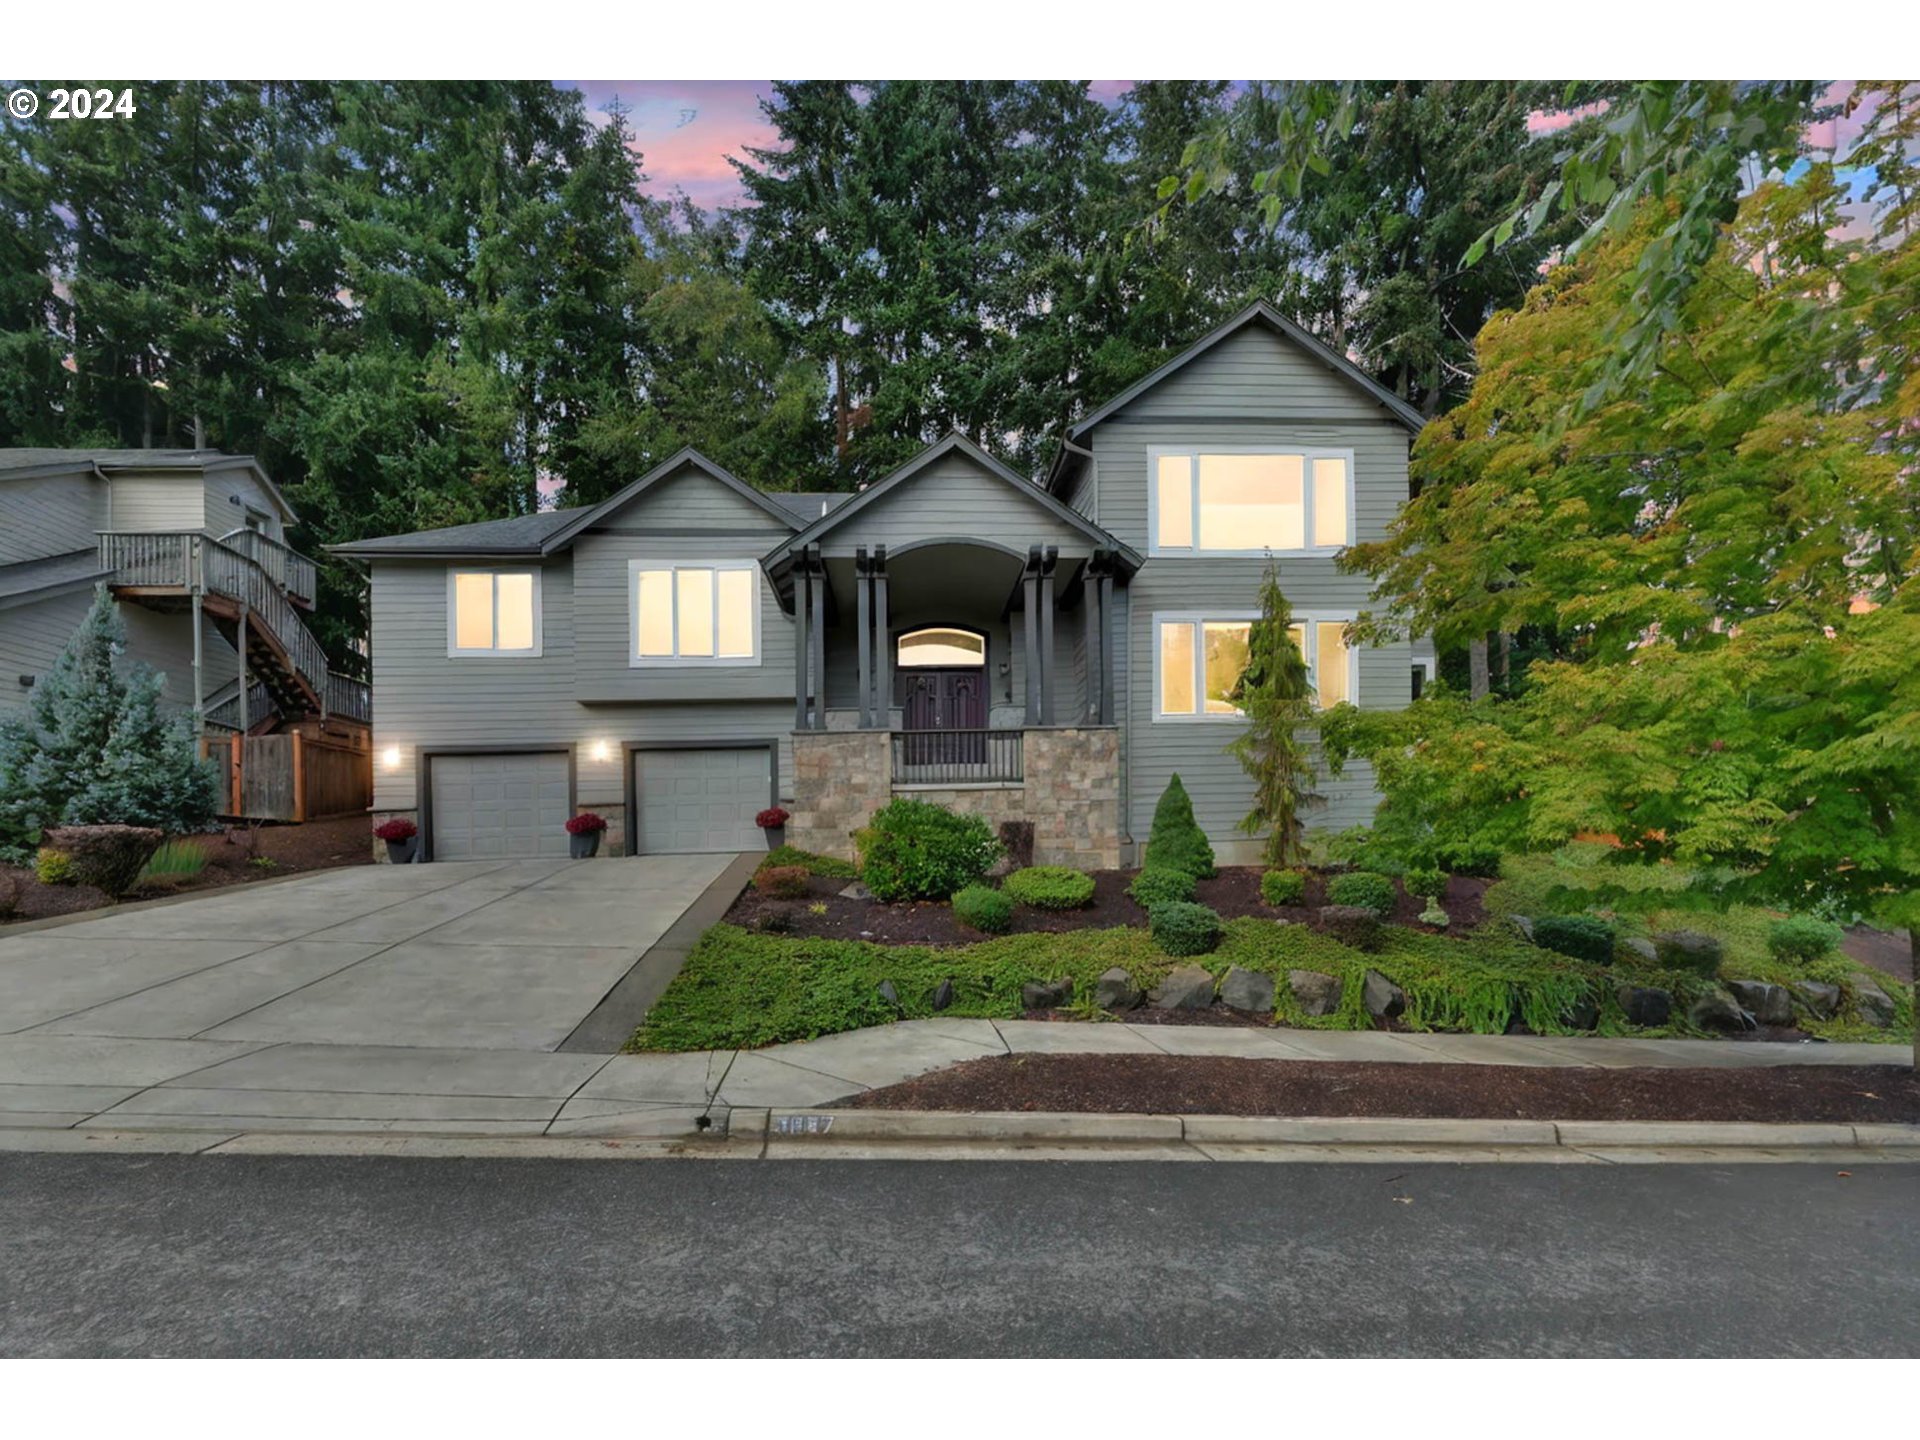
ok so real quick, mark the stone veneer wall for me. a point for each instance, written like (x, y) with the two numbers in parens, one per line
(1071, 793)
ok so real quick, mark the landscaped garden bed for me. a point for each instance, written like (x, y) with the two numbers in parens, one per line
(1213, 1085)
(232, 857)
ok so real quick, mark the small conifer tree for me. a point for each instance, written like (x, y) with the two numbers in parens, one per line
(1277, 700)
(1176, 841)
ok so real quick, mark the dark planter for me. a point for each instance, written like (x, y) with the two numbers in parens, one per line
(400, 852)
(584, 847)
(776, 836)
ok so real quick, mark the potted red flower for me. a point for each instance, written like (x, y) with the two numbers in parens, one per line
(584, 831)
(773, 820)
(399, 833)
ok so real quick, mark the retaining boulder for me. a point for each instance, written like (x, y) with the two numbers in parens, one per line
(1871, 1002)
(1046, 994)
(1114, 990)
(1717, 1010)
(1767, 1004)
(1646, 1004)
(1818, 1000)
(1187, 988)
(1314, 993)
(1247, 990)
(1382, 997)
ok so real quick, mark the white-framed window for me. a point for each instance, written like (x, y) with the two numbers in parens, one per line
(493, 612)
(1198, 660)
(1223, 500)
(694, 612)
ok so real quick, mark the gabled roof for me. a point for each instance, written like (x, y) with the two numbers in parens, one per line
(670, 466)
(21, 463)
(1258, 313)
(807, 506)
(954, 441)
(515, 535)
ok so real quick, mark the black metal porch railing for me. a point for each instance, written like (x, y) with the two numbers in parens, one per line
(956, 757)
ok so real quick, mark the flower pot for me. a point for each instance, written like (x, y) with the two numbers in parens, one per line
(584, 847)
(776, 836)
(400, 852)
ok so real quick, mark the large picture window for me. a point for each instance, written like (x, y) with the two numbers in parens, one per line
(706, 613)
(1297, 502)
(493, 612)
(1198, 662)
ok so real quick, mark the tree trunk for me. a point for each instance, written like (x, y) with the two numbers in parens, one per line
(1503, 652)
(1477, 667)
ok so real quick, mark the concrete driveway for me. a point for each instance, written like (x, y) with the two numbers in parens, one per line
(487, 955)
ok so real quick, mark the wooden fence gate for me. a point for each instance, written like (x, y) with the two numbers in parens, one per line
(290, 776)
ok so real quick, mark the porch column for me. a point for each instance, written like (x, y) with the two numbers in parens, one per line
(1048, 558)
(1106, 642)
(1030, 620)
(243, 667)
(1091, 614)
(802, 605)
(862, 588)
(819, 641)
(883, 640)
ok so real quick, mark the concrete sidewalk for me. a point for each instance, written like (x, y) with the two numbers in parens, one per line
(54, 1082)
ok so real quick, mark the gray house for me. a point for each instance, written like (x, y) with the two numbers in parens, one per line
(192, 545)
(693, 650)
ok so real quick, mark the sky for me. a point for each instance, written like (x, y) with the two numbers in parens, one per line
(686, 129)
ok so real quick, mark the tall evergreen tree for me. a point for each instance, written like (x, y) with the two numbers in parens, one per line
(1274, 694)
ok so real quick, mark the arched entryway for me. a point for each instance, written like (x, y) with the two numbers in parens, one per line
(942, 677)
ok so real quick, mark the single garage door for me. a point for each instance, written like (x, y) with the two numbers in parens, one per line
(701, 800)
(500, 807)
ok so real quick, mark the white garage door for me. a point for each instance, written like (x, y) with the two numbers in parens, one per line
(701, 800)
(498, 807)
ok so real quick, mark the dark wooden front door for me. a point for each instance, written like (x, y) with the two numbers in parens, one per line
(936, 704)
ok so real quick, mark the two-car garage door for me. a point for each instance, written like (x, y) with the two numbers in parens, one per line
(514, 805)
(701, 800)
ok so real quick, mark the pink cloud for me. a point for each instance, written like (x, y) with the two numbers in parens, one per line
(686, 130)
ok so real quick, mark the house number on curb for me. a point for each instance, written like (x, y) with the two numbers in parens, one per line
(803, 1124)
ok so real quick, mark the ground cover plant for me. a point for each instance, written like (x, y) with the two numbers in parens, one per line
(1050, 887)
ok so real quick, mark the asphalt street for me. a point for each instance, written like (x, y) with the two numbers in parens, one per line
(177, 1255)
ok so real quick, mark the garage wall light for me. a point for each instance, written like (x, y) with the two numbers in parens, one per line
(601, 750)
(390, 757)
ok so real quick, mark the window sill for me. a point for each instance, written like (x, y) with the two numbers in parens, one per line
(1322, 552)
(730, 662)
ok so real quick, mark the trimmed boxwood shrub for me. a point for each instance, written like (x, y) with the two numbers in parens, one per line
(1283, 887)
(982, 908)
(1354, 925)
(1176, 841)
(1581, 936)
(1158, 885)
(1802, 938)
(1429, 882)
(1365, 889)
(783, 882)
(1050, 887)
(1181, 927)
(914, 850)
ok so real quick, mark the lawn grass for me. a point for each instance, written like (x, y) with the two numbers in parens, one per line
(743, 989)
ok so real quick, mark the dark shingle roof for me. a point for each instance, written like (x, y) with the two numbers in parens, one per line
(516, 535)
(54, 571)
(32, 459)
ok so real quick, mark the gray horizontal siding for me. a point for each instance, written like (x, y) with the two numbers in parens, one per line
(162, 501)
(955, 497)
(51, 515)
(1251, 374)
(32, 637)
(223, 487)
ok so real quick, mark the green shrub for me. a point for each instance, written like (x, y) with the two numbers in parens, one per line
(1801, 938)
(1283, 887)
(1582, 936)
(982, 908)
(1365, 889)
(782, 882)
(1355, 925)
(175, 860)
(1050, 887)
(1157, 886)
(107, 857)
(1181, 927)
(1481, 861)
(914, 850)
(53, 867)
(1429, 882)
(1176, 841)
(826, 866)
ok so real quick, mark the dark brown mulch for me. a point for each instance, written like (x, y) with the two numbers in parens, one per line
(294, 849)
(1234, 892)
(1211, 1085)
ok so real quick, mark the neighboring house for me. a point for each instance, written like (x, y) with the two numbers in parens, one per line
(692, 649)
(193, 546)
